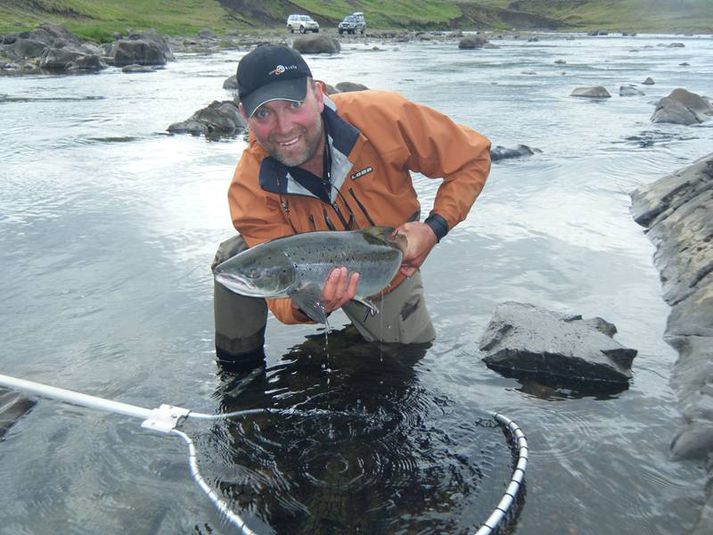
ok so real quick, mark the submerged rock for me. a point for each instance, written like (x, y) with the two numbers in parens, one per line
(530, 340)
(347, 87)
(472, 42)
(629, 91)
(13, 406)
(499, 152)
(597, 91)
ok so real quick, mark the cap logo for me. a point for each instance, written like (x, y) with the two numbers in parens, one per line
(280, 69)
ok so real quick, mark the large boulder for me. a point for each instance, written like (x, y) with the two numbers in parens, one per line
(682, 107)
(24, 48)
(146, 48)
(529, 340)
(68, 59)
(218, 119)
(53, 48)
(316, 44)
(32, 44)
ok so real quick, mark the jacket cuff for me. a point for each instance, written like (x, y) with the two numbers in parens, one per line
(438, 225)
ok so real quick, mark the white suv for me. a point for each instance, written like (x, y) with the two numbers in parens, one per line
(302, 23)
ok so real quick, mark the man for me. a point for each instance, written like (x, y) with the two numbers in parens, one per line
(339, 163)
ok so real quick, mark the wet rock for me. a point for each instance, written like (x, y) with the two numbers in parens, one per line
(530, 340)
(346, 87)
(231, 83)
(678, 212)
(499, 152)
(629, 91)
(50, 47)
(472, 42)
(25, 48)
(70, 58)
(648, 81)
(590, 92)
(218, 119)
(316, 44)
(682, 107)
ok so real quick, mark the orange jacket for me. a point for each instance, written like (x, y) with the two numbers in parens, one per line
(376, 138)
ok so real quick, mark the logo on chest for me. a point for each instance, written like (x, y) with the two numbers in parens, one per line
(361, 173)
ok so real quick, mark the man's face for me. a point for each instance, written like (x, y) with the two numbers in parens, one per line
(291, 132)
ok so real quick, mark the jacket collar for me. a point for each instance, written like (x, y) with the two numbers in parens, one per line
(342, 137)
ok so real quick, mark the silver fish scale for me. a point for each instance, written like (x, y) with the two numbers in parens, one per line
(318, 253)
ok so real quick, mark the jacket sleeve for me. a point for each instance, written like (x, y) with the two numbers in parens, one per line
(440, 148)
(258, 218)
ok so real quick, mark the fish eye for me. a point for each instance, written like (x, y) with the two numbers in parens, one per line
(253, 273)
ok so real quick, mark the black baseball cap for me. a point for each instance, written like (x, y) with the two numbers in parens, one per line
(271, 72)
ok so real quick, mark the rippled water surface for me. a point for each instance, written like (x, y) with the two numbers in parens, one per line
(107, 230)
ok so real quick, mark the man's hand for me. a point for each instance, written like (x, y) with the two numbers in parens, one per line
(340, 288)
(420, 240)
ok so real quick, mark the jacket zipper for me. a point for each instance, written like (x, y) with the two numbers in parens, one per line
(362, 208)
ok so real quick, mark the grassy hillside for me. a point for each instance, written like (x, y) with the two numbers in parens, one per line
(642, 15)
(98, 19)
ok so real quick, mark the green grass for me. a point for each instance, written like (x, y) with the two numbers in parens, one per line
(640, 15)
(99, 19)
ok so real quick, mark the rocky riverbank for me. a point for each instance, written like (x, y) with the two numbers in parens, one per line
(677, 211)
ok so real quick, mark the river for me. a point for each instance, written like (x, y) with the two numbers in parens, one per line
(108, 226)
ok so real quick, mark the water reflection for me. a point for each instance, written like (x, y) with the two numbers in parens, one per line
(550, 387)
(369, 449)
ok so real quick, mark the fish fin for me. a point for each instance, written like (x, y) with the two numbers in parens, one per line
(309, 300)
(371, 309)
(388, 235)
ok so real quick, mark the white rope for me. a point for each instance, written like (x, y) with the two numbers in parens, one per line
(236, 520)
(167, 418)
(516, 480)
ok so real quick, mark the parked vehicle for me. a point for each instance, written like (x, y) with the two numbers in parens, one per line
(302, 24)
(353, 23)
